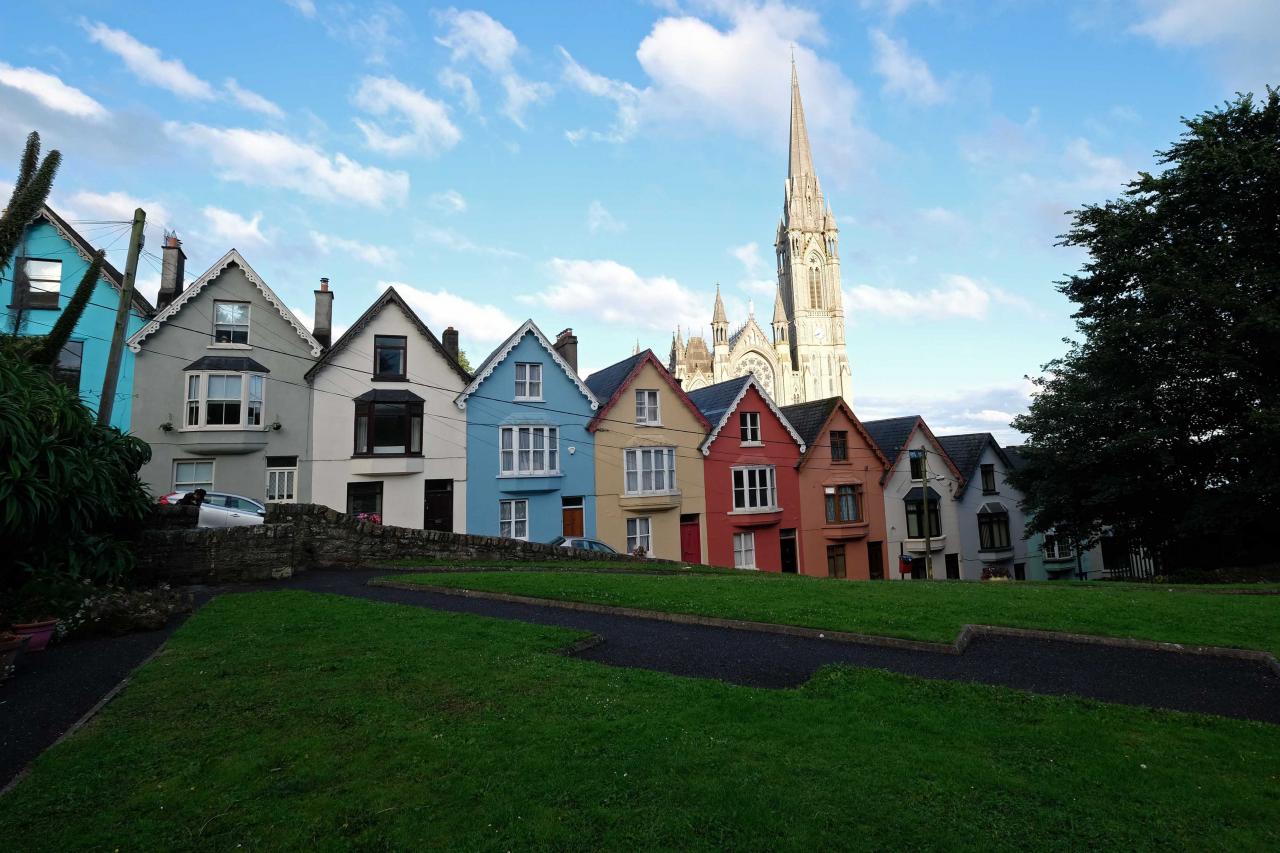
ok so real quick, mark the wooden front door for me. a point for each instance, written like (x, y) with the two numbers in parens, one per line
(875, 560)
(571, 512)
(690, 539)
(437, 505)
(787, 546)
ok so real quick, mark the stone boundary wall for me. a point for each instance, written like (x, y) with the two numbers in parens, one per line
(307, 536)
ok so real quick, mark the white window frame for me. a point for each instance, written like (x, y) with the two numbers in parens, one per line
(647, 411)
(656, 464)
(744, 550)
(528, 380)
(640, 533)
(511, 515)
(282, 479)
(249, 420)
(512, 450)
(754, 479)
(749, 428)
(192, 485)
(248, 323)
(1062, 549)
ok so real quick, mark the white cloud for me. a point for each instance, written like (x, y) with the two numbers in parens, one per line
(375, 32)
(307, 8)
(474, 36)
(420, 124)
(959, 297)
(461, 85)
(904, 74)
(148, 65)
(521, 94)
(369, 253)
(626, 99)
(451, 239)
(267, 158)
(448, 201)
(892, 8)
(1242, 36)
(1094, 172)
(955, 411)
(52, 92)
(476, 322)
(114, 205)
(252, 100)
(614, 293)
(600, 219)
(753, 267)
(226, 226)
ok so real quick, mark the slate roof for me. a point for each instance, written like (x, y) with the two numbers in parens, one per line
(714, 400)
(1014, 455)
(604, 383)
(388, 395)
(808, 418)
(966, 450)
(233, 363)
(891, 433)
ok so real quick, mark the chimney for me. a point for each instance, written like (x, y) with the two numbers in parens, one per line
(323, 331)
(450, 342)
(172, 268)
(567, 345)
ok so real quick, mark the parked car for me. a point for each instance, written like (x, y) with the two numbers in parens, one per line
(582, 543)
(223, 510)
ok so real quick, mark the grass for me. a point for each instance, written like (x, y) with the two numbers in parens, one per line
(291, 720)
(621, 566)
(919, 611)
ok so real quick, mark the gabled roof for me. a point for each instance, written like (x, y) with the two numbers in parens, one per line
(229, 363)
(717, 402)
(611, 382)
(1014, 455)
(966, 450)
(486, 368)
(86, 250)
(810, 418)
(891, 435)
(193, 290)
(388, 297)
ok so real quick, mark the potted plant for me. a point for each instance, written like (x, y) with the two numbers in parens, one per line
(10, 645)
(38, 632)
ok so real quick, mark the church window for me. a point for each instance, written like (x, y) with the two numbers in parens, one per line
(815, 286)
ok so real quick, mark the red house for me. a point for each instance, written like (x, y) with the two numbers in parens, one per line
(752, 485)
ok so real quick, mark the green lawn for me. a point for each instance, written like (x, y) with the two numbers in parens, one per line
(915, 610)
(563, 565)
(291, 720)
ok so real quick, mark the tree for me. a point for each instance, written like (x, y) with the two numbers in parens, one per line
(35, 180)
(1162, 422)
(464, 362)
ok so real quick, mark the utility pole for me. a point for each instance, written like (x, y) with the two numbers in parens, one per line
(927, 515)
(122, 321)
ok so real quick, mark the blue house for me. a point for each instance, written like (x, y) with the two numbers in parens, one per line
(530, 459)
(37, 284)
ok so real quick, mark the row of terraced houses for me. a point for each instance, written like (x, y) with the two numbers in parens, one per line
(235, 394)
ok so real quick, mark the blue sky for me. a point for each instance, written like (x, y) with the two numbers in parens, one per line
(603, 165)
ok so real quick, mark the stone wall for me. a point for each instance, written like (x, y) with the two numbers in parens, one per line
(297, 537)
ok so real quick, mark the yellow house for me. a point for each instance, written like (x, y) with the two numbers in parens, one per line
(649, 485)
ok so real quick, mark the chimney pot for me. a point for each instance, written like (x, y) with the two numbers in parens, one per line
(323, 330)
(324, 284)
(567, 345)
(172, 270)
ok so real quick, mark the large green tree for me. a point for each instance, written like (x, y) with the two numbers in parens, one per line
(1162, 422)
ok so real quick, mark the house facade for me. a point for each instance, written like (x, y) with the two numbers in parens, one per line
(650, 491)
(386, 438)
(36, 285)
(226, 405)
(988, 508)
(530, 457)
(843, 531)
(919, 508)
(752, 485)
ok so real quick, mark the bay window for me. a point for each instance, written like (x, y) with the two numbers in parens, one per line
(844, 504)
(224, 401)
(388, 424)
(649, 470)
(993, 530)
(755, 488)
(916, 516)
(529, 451)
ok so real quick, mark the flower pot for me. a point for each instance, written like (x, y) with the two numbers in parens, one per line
(38, 634)
(10, 646)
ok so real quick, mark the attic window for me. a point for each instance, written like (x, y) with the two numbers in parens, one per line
(988, 479)
(39, 284)
(231, 322)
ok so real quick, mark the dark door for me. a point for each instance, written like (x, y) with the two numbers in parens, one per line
(437, 503)
(875, 560)
(571, 510)
(690, 539)
(787, 541)
(953, 567)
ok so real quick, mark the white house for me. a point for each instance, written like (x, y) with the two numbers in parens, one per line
(386, 438)
(992, 524)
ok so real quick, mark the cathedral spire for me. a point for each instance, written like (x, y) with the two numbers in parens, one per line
(801, 157)
(779, 311)
(718, 316)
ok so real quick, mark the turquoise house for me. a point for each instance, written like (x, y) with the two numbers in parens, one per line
(530, 460)
(37, 284)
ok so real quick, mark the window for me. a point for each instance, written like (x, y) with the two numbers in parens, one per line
(915, 518)
(638, 536)
(254, 413)
(282, 479)
(192, 474)
(39, 285)
(231, 322)
(364, 498)
(528, 381)
(815, 286)
(749, 427)
(649, 470)
(513, 519)
(388, 429)
(222, 400)
(844, 504)
(647, 408)
(988, 479)
(835, 561)
(529, 451)
(755, 488)
(917, 464)
(993, 531)
(390, 357)
(744, 550)
(839, 446)
(1056, 547)
(67, 369)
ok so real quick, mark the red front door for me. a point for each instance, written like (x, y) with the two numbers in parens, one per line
(690, 539)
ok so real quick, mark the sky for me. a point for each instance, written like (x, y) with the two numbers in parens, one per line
(602, 166)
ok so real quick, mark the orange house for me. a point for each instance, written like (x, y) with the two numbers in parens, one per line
(842, 526)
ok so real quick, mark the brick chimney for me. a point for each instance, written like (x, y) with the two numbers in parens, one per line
(567, 345)
(450, 342)
(172, 269)
(323, 331)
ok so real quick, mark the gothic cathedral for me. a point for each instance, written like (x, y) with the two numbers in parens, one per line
(803, 356)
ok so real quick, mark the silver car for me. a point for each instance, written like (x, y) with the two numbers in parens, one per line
(221, 509)
(582, 543)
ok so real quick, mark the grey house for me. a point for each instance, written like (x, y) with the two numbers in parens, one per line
(219, 374)
(989, 516)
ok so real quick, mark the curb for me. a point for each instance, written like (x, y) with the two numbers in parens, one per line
(966, 636)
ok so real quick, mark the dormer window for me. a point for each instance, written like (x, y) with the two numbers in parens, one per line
(528, 381)
(647, 408)
(231, 322)
(390, 357)
(749, 427)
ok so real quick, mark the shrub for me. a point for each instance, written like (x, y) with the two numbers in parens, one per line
(116, 611)
(995, 573)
